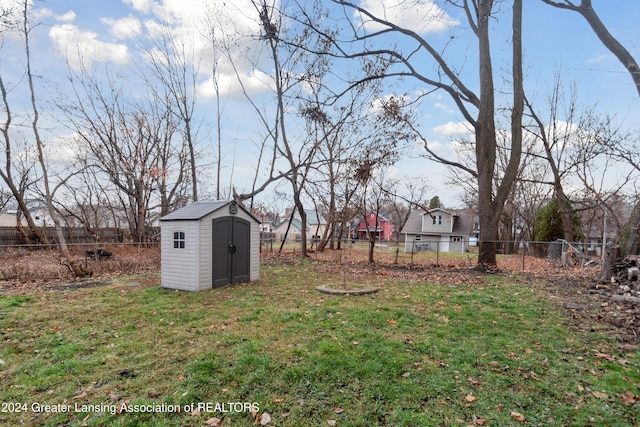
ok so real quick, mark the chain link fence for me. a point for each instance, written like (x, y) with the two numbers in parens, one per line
(452, 253)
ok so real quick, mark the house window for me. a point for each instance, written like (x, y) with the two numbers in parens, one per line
(178, 240)
(439, 219)
(434, 220)
(456, 239)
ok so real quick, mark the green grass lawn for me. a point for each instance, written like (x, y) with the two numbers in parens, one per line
(413, 354)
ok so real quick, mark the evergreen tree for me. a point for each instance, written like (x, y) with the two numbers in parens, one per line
(548, 223)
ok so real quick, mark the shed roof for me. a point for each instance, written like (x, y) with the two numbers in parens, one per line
(200, 209)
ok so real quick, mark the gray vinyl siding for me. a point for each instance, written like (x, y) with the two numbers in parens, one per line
(254, 273)
(177, 267)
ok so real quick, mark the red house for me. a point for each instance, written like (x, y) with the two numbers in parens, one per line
(375, 223)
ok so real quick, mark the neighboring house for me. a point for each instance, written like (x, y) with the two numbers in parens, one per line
(440, 229)
(10, 220)
(294, 231)
(379, 224)
(38, 209)
(315, 226)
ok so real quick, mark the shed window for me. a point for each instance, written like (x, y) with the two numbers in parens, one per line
(178, 240)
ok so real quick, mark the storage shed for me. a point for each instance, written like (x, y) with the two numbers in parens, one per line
(209, 244)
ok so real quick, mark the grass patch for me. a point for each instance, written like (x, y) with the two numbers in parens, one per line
(412, 354)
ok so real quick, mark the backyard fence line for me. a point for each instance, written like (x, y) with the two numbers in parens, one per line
(36, 246)
(436, 252)
(11, 236)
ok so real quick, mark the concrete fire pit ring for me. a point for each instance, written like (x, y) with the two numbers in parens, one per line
(329, 289)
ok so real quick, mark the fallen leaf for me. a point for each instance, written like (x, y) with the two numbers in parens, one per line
(391, 321)
(472, 381)
(517, 416)
(214, 422)
(331, 422)
(608, 357)
(469, 398)
(629, 398)
(80, 395)
(599, 394)
(338, 410)
(499, 407)
(265, 419)
(479, 421)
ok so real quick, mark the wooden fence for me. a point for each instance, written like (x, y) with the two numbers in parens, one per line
(10, 236)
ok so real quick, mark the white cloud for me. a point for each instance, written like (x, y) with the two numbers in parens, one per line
(421, 16)
(434, 145)
(378, 103)
(453, 129)
(254, 82)
(124, 28)
(83, 47)
(67, 17)
(598, 58)
(144, 6)
(444, 108)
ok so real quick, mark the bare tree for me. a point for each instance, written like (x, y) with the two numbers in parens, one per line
(586, 10)
(477, 108)
(403, 196)
(557, 138)
(18, 178)
(49, 190)
(133, 146)
(173, 63)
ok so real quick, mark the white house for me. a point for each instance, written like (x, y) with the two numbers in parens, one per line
(316, 226)
(439, 229)
(209, 244)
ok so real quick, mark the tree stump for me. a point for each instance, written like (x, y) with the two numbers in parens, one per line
(612, 255)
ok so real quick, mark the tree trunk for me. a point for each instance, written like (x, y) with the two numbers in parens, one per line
(612, 255)
(564, 209)
(486, 143)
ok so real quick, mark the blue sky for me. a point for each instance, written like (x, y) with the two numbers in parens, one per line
(553, 39)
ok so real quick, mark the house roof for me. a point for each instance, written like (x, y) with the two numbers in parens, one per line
(313, 217)
(200, 209)
(414, 223)
(463, 224)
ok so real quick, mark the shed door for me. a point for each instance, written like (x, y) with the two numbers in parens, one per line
(231, 250)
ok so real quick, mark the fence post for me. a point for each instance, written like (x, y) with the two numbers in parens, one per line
(438, 254)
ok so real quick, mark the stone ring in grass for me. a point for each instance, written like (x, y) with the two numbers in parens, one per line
(344, 290)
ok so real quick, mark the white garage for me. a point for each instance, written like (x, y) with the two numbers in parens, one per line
(209, 244)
